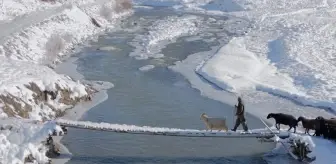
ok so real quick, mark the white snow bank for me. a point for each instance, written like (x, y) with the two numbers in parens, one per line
(16, 74)
(24, 138)
(53, 37)
(235, 69)
(172, 27)
(11, 9)
(26, 51)
(162, 32)
(321, 148)
(294, 39)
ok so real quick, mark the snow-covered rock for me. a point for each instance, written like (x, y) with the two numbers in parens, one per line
(24, 138)
(28, 87)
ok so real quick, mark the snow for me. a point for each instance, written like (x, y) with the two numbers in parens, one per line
(321, 148)
(16, 74)
(289, 51)
(234, 68)
(123, 128)
(291, 45)
(108, 48)
(36, 35)
(324, 150)
(30, 46)
(163, 32)
(286, 53)
(23, 139)
(53, 36)
(146, 68)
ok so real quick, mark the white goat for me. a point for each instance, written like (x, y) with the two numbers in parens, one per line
(214, 123)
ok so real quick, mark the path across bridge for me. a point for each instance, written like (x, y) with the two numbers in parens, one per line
(147, 130)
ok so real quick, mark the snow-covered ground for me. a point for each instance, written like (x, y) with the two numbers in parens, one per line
(286, 55)
(28, 49)
(20, 138)
(34, 35)
(289, 51)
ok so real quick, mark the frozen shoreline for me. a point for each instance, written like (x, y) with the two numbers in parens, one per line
(68, 67)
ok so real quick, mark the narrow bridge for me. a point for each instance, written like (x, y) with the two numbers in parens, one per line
(146, 130)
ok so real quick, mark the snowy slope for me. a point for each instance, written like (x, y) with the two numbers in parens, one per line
(289, 52)
(12, 9)
(15, 75)
(34, 43)
(22, 139)
(34, 35)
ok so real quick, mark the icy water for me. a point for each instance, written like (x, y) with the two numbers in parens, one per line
(157, 97)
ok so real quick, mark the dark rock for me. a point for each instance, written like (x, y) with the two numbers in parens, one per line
(29, 159)
(95, 22)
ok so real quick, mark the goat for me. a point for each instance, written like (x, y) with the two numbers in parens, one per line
(326, 127)
(284, 119)
(308, 124)
(214, 123)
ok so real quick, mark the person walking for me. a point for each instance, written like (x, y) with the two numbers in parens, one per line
(240, 113)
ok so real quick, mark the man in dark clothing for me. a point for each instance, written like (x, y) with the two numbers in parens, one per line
(240, 110)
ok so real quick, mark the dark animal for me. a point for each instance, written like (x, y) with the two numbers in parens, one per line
(308, 124)
(320, 128)
(284, 119)
(326, 127)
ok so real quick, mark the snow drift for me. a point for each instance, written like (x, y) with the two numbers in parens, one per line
(234, 68)
(55, 36)
(24, 138)
(29, 88)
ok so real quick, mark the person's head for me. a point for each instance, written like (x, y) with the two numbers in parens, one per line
(239, 99)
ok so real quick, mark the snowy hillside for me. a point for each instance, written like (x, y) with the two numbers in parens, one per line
(20, 138)
(33, 44)
(34, 35)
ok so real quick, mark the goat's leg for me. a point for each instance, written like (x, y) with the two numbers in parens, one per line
(289, 128)
(208, 127)
(277, 125)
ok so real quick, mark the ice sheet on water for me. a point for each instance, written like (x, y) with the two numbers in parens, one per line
(163, 32)
(291, 45)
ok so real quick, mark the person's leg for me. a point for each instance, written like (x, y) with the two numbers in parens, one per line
(243, 122)
(236, 124)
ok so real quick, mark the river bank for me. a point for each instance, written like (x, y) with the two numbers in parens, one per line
(152, 97)
(69, 68)
(137, 87)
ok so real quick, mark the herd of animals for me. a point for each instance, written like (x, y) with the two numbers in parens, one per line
(322, 126)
